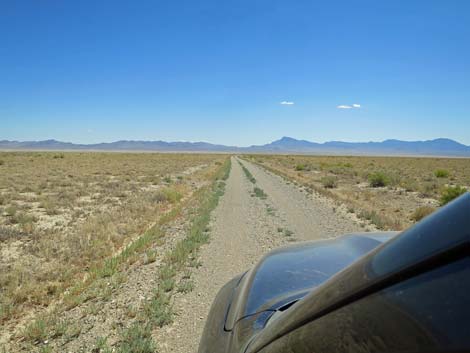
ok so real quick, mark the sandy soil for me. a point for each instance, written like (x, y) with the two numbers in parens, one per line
(244, 228)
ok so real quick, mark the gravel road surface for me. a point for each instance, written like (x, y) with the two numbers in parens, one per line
(244, 228)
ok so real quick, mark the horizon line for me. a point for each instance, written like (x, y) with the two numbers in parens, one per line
(221, 144)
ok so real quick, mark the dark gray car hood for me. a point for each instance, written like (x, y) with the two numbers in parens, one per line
(289, 273)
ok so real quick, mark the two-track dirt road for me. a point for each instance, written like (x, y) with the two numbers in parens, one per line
(244, 228)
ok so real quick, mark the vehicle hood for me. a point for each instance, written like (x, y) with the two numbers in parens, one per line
(287, 274)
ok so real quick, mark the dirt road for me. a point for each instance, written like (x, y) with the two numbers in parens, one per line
(244, 227)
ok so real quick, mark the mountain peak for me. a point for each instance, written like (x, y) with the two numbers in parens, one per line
(292, 144)
(287, 139)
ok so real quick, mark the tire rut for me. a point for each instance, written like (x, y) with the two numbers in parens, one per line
(309, 216)
(241, 232)
(244, 228)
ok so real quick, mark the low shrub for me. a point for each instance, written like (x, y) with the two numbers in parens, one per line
(9, 233)
(429, 188)
(11, 210)
(301, 166)
(22, 218)
(378, 179)
(159, 310)
(166, 194)
(37, 330)
(172, 195)
(137, 339)
(185, 286)
(451, 192)
(259, 193)
(50, 206)
(329, 182)
(374, 218)
(409, 184)
(288, 233)
(422, 212)
(441, 173)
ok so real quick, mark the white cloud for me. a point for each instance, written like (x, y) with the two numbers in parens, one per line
(347, 106)
(287, 103)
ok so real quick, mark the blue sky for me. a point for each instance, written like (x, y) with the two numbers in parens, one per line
(217, 71)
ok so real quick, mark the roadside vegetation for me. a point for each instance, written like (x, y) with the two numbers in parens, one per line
(158, 311)
(389, 192)
(285, 232)
(248, 173)
(72, 223)
(451, 192)
(378, 179)
(258, 192)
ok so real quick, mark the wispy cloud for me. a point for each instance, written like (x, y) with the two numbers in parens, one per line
(347, 106)
(287, 103)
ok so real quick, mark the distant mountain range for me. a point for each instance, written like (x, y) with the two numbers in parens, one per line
(437, 147)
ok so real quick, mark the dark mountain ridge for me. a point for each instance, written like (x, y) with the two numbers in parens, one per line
(436, 147)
